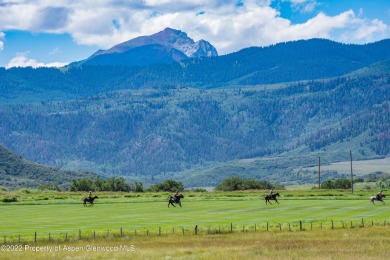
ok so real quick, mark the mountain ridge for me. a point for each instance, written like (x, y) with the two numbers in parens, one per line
(285, 62)
(166, 46)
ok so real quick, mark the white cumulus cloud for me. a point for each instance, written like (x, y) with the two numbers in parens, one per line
(2, 36)
(21, 60)
(229, 25)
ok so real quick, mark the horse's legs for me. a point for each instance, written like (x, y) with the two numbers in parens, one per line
(276, 201)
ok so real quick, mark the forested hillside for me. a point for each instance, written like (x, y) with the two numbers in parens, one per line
(284, 62)
(15, 171)
(149, 133)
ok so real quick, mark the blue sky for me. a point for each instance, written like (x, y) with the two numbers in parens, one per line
(54, 33)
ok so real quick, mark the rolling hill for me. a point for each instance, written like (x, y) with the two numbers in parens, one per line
(16, 172)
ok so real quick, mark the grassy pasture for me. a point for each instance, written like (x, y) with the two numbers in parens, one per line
(149, 213)
(143, 216)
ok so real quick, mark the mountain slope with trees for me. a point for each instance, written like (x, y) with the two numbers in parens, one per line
(283, 62)
(150, 134)
(15, 171)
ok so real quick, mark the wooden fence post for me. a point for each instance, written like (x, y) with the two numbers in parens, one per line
(231, 227)
(267, 226)
(35, 237)
(300, 225)
(196, 230)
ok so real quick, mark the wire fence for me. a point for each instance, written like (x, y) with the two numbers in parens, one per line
(128, 233)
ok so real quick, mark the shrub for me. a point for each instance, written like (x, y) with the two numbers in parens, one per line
(235, 183)
(168, 185)
(13, 199)
(341, 183)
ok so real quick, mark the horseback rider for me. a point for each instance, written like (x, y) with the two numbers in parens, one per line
(175, 196)
(90, 195)
(379, 195)
(271, 192)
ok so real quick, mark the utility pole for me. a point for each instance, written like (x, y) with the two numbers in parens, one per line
(319, 172)
(350, 155)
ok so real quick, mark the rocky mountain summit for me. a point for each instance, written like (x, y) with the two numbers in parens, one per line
(169, 45)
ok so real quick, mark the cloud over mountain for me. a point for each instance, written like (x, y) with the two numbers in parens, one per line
(229, 25)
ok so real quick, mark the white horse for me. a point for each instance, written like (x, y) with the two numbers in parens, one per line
(373, 198)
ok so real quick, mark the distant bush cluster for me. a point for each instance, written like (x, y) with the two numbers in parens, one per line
(120, 184)
(341, 183)
(168, 185)
(236, 183)
(110, 184)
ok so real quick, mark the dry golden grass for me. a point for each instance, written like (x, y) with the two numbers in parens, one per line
(357, 243)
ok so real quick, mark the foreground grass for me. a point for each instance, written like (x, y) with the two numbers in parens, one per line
(360, 243)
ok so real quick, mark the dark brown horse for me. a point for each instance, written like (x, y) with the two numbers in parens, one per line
(374, 198)
(171, 201)
(90, 200)
(271, 197)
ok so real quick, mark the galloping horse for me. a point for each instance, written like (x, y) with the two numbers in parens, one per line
(373, 198)
(271, 197)
(177, 201)
(90, 200)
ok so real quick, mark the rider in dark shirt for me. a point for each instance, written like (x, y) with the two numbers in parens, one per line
(175, 195)
(379, 195)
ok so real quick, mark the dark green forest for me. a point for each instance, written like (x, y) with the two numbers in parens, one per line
(152, 133)
(283, 62)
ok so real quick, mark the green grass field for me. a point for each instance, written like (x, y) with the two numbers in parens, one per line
(210, 211)
(151, 230)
